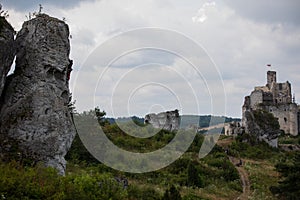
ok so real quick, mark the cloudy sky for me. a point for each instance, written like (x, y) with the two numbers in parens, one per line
(205, 56)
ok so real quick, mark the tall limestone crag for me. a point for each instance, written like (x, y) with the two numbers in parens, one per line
(7, 50)
(275, 99)
(34, 112)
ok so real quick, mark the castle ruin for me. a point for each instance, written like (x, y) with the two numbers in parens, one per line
(165, 120)
(277, 99)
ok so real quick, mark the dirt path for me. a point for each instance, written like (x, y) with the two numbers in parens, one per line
(242, 172)
(244, 178)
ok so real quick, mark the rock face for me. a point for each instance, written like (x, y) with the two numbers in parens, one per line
(165, 120)
(34, 112)
(263, 125)
(7, 50)
(233, 128)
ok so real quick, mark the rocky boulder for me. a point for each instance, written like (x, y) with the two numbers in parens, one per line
(263, 126)
(34, 113)
(169, 120)
(7, 50)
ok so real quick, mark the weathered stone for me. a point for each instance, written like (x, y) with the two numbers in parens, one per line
(7, 50)
(233, 128)
(165, 120)
(276, 99)
(34, 112)
(263, 125)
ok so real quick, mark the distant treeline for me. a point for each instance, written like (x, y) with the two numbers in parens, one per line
(186, 120)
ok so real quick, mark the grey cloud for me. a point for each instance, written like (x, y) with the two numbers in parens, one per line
(32, 5)
(145, 56)
(268, 11)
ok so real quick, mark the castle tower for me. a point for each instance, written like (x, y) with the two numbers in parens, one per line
(271, 84)
(271, 78)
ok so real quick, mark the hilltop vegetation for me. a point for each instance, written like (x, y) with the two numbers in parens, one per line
(213, 177)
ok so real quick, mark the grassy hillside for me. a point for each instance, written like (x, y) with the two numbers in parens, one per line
(213, 177)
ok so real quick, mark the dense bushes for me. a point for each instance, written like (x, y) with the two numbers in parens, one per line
(87, 178)
(145, 193)
(18, 182)
(172, 194)
(194, 178)
(255, 150)
(289, 187)
(266, 120)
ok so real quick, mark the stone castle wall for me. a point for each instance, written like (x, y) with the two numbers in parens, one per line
(287, 115)
(277, 99)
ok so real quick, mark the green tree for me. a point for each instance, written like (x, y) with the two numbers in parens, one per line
(289, 187)
(100, 116)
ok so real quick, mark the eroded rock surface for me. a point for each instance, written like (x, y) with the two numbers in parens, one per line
(7, 50)
(169, 120)
(263, 125)
(34, 111)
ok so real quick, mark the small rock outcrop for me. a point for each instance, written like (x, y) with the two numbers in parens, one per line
(34, 111)
(165, 120)
(7, 50)
(233, 128)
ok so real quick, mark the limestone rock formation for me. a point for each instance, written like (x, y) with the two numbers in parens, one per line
(34, 111)
(233, 128)
(263, 125)
(165, 120)
(7, 50)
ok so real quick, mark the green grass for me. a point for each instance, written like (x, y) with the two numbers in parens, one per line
(289, 139)
(262, 176)
(86, 180)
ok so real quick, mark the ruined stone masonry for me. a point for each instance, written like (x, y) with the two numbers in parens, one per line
(34, 112)
(273, 102)
(268, 110)
(275, 98)
(233, 128)
(169, 120)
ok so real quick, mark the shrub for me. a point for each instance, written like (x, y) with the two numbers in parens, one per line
(172, 194)
(145, 193)
(289, 187)
(193, 176)
(18, 182)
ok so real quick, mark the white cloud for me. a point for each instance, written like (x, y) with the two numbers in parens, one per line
(201, 14)
(240, 39)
